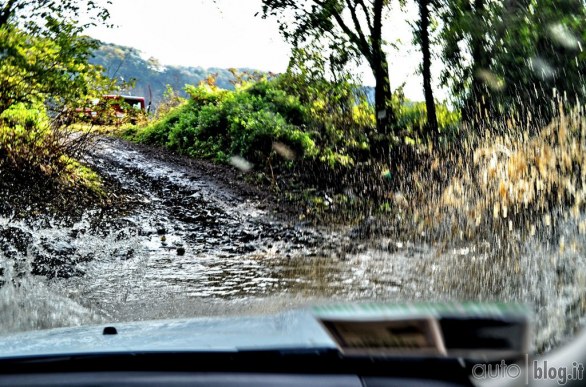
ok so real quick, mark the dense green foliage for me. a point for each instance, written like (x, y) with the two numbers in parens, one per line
(509, 58)
(30, 148)
(217, 123)
(44, 75)
(346, 31)
(25, 138)
(292, 124)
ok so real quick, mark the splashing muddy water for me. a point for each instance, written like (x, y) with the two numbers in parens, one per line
(192, 245)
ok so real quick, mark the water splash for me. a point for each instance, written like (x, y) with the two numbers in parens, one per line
(563, 36)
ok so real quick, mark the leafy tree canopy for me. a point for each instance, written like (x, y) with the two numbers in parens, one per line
(508, 57)
(45, 54)
(49, 16)
(351, 30)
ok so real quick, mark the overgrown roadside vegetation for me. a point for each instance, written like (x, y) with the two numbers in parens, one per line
(310, 141)
(44, 77)
(36, 159)
(306, 137)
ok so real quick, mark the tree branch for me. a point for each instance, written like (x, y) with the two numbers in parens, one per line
(7, 12)
(357, 25)
(377, 26)
(367, 14)
(353, 37)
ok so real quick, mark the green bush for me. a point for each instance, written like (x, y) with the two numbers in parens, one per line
(412, 117)
(279, 101)
(288, 122)
(336, 114)
(26, 141)
(30, 147)
(205, 94)
(183, 133)
(158, 131)
(217, 123)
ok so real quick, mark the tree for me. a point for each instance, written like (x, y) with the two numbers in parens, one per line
(43, 69)
(466, 26)
(422, 37)
(45, 55)
(42, 16)
(352, 30)
(540, 58)
(511, 57)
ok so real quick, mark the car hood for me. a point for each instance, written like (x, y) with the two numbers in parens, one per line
(294, 330)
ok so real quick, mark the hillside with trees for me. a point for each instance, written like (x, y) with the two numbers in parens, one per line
(146, 76)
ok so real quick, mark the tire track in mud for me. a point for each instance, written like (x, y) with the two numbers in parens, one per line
(195, 209)
(189, 234)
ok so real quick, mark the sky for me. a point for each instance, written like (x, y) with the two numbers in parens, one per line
(226, 33)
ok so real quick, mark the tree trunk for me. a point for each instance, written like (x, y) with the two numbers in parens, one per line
(432, 126)
(478, 104)
(6, 12)
(385, 116)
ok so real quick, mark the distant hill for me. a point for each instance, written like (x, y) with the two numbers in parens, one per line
(128, 63)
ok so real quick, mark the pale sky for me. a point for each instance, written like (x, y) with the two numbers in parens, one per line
(225, 33)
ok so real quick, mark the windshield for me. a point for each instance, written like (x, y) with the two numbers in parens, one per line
(179, 159)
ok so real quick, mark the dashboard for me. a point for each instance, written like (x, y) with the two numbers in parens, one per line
(232, 369)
